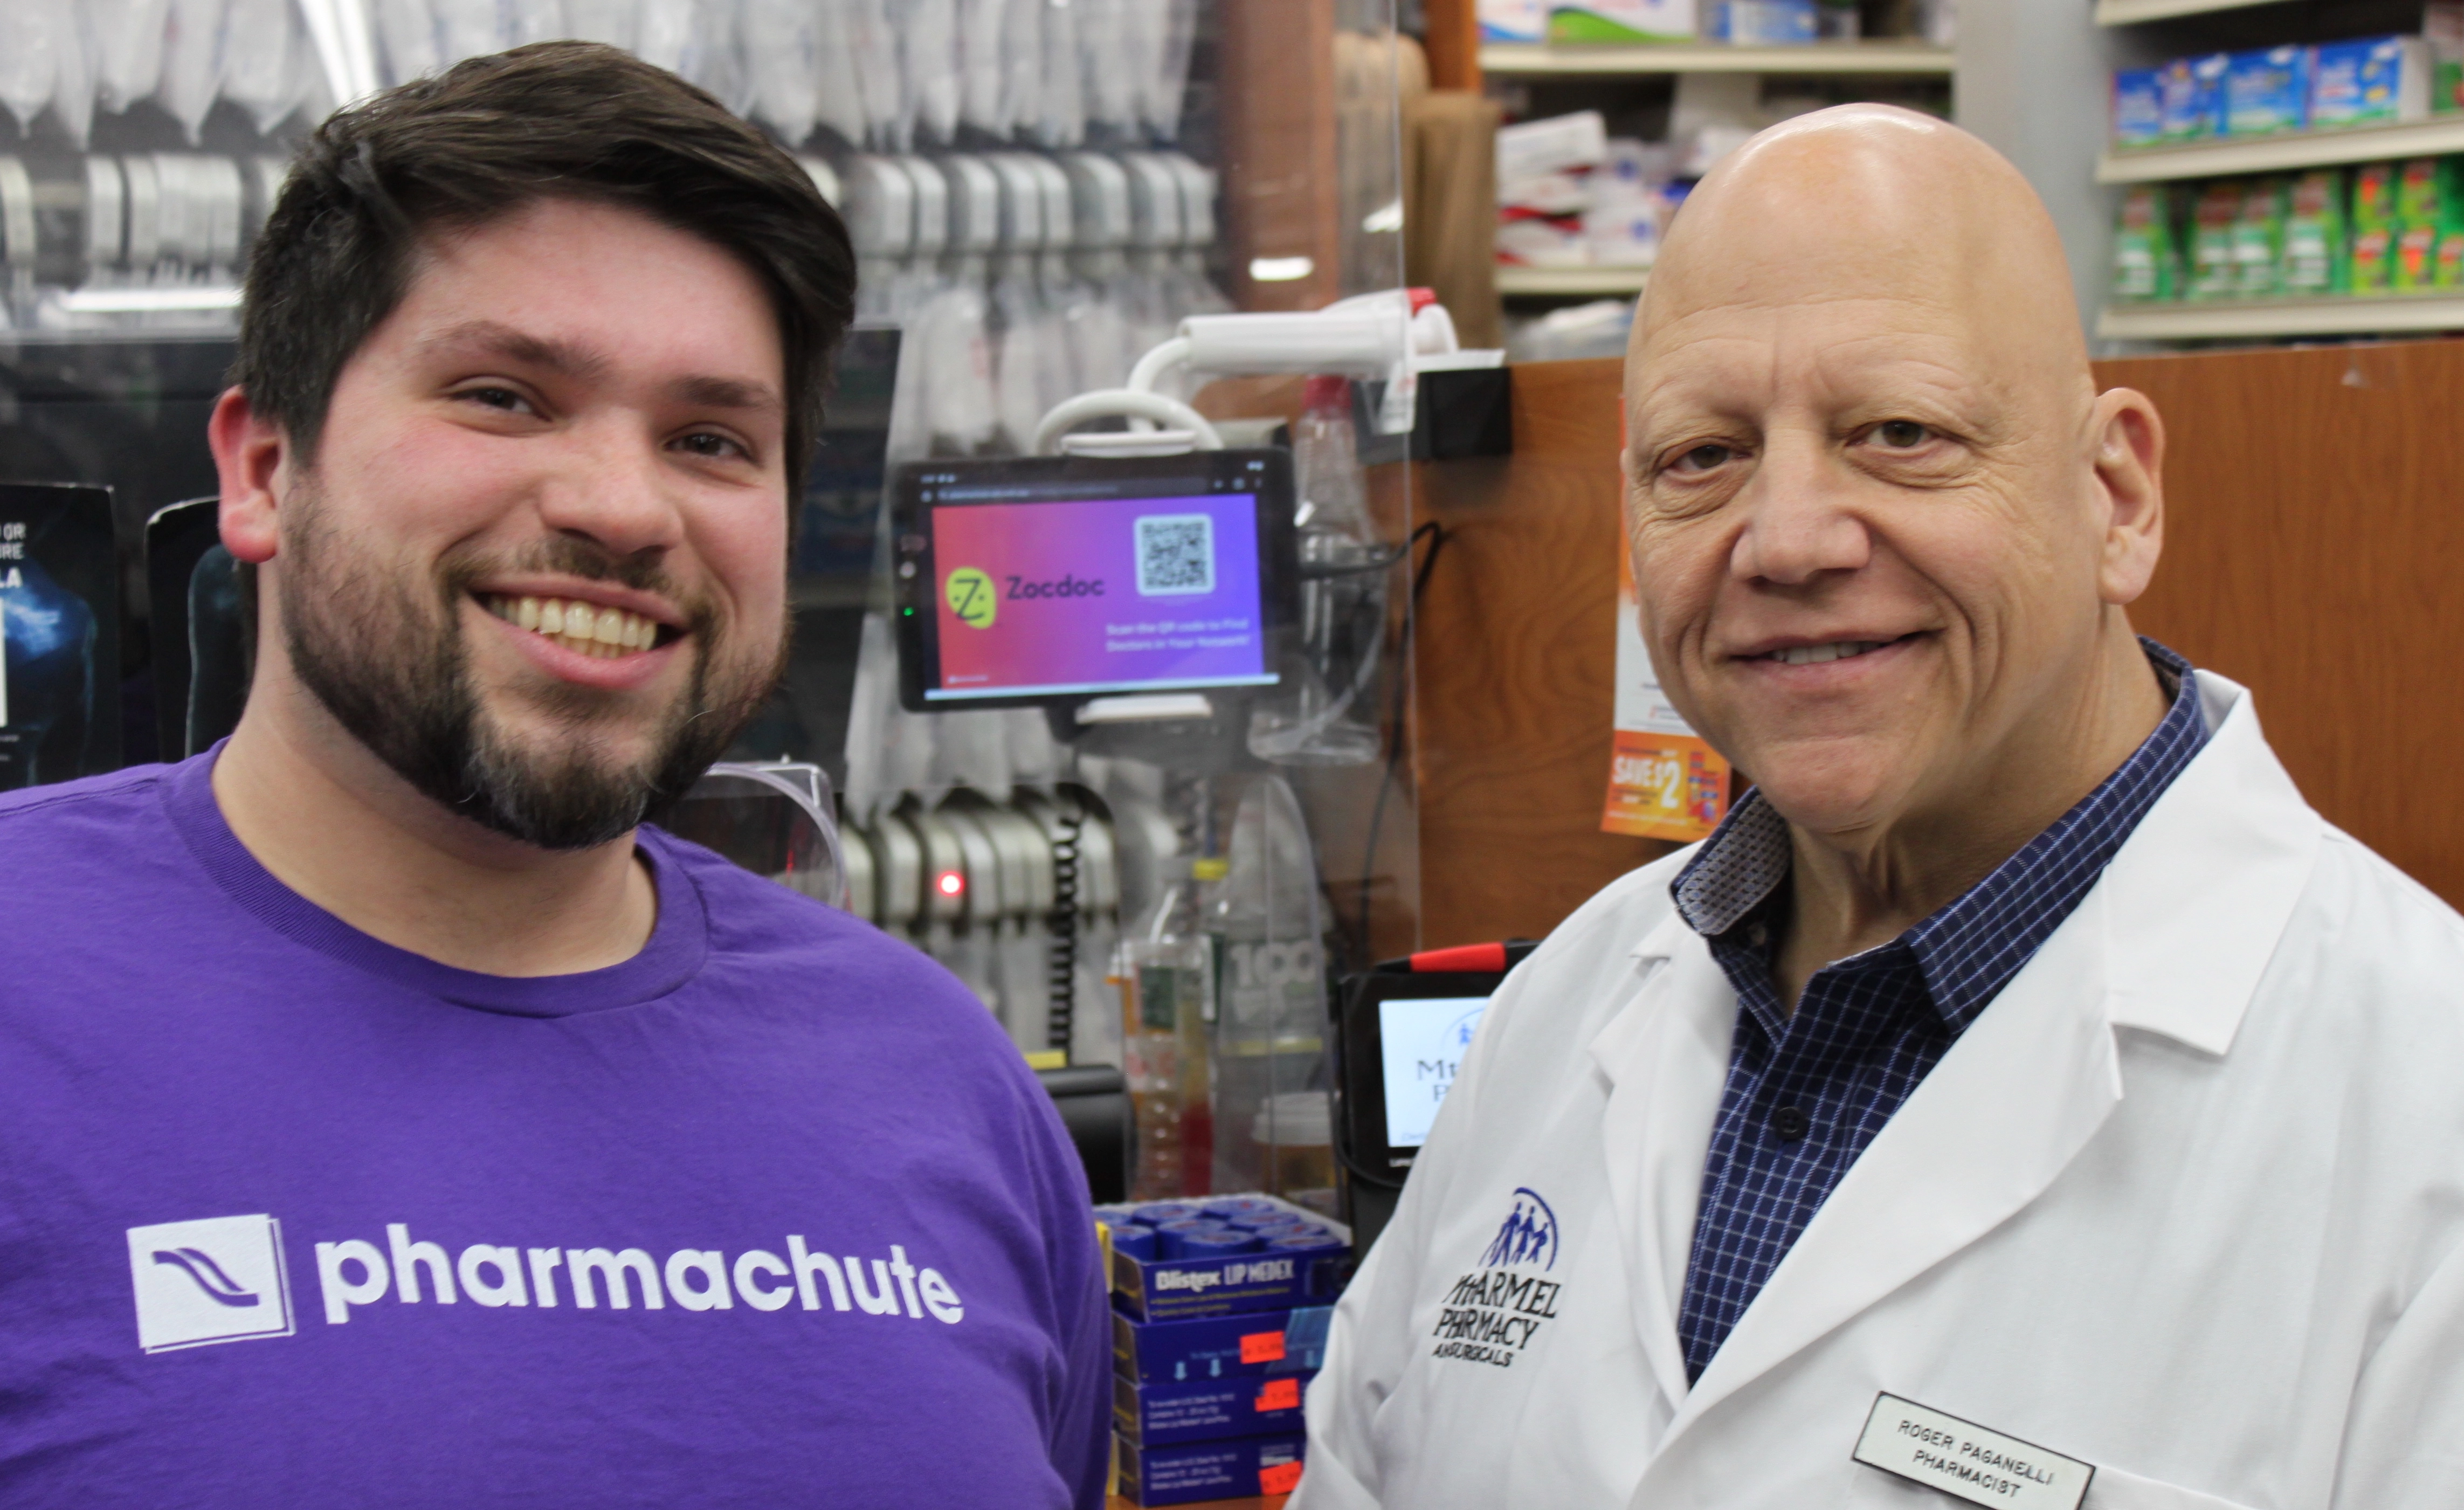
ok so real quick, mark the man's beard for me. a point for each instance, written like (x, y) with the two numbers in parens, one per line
(390, 662)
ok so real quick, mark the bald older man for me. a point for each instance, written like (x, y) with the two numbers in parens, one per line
(2023, 1097)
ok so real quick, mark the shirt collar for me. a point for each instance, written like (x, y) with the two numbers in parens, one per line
(1969, 949)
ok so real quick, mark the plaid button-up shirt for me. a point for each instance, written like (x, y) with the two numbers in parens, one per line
(1807, 1091)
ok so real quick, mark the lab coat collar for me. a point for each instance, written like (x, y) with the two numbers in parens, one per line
(2172, 941)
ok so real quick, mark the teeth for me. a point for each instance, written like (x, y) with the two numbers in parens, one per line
(582, 627)
(1818, 654)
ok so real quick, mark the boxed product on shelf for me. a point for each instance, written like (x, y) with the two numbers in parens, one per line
(2430, 209)
(2259, 239)
(2147, 259)
(1244, 1345)
(2214, 274)
(1206, 1410)
(2369, 81)
(1622, 20)
(2191, 98)
(1173, 1476)
(2442, 32)
(2375, 228)
(1172, 1261)
(2138, 107)
(1513, 20)
(2314, 255)
(2267, 91)
(1762, 23)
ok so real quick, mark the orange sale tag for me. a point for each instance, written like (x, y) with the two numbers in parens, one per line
(1280, 1394)
(1281, 1479)
(1262, 1347)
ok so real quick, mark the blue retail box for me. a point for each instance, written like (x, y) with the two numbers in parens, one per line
(2138, 107)
(1206, 1410)
(1178, 1289)
(2370, 82)
(2267, 91)
(2192, 98)
(1247, 1346)
(1236, 1468)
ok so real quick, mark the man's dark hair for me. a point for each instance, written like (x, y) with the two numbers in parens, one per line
(483, 140)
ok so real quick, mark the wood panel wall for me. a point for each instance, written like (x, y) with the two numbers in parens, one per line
(2316, 518)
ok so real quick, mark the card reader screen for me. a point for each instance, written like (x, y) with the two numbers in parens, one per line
(1423, 1039)
(1098, 595)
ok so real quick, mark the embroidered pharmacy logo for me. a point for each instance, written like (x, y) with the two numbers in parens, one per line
(218, 1280)
(1528, 1235)
(1492, 1314)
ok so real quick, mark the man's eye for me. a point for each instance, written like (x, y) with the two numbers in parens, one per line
(702, 443)
(1705, 457)
(1902, 434)
(505, 399)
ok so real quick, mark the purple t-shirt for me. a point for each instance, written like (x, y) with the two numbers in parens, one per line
(771, 1214)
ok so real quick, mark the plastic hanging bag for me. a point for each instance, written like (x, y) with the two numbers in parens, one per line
(838, 95)
(980, 60)
(73, 89)
(33, 32)
(1107, 65)
(1169, 80)
(928, 48)
(531, 21)
(879, 74)
(258, 37)
(192, 62)
(128, 48)
(466, 29)
(407, 31)
(715, 58)
(1022, 46)
(613, 22)
(781, 41)
(665, 32)
(1060, 120)
(889, 749)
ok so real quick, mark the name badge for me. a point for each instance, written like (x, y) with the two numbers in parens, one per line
(1967, 1462)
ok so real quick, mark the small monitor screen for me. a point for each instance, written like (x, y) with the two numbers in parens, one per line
(1423, 1039)
(1061, 595)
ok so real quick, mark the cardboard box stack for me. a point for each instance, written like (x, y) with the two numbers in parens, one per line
(1219, 1313)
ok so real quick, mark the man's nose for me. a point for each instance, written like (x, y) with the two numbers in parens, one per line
(1798, 522)
(616, 489)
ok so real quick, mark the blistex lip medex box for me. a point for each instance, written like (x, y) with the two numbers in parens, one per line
(2267, 91)
(2214, 273)
(1248, 1345)
(2138, 107)
(59, 634)
(2315, 257)
(1206, 1410)
(2146, 261)
(1174, 1289)
(1220, 1469)
(2259, 239)
(2369, 81)
(2191, 98)
(2430, 209)
(1624, 21)
(2375, 228)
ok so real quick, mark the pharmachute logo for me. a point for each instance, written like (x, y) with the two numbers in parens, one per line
(218, 1280)
(1528, 1235)
(969, 592)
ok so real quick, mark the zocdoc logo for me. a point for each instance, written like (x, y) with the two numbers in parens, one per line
(221, 1280)
(215, 1281)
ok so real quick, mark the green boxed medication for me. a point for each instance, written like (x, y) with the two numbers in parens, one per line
(2259, 239)
(2375, 228)
(2315, 257)
(2214, 273)
(2429, 203)
(2147, 258)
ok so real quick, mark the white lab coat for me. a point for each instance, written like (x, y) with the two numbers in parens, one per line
(2186, 1202)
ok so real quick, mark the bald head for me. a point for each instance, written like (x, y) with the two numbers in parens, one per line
(1884, 526)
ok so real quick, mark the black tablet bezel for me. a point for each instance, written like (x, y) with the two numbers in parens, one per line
(1360, 1074)
(1266, 472)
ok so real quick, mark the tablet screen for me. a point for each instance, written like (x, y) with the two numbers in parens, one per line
(1423, 1039)
(1057, 595)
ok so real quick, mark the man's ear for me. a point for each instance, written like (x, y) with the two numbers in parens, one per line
(249, 454)
(2129, 435)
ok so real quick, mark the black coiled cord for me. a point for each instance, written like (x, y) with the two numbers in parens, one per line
(1061, 974)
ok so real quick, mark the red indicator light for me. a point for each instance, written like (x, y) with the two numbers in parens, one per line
(950, 883)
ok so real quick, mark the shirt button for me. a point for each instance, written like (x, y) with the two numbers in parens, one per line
(1789, 1124)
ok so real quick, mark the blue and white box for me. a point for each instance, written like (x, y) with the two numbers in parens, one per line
(2267, 91)
(2369, 81)
(1224, 1470)
(1176, 1289)
(2138, 107)
(1206, 1410)
(2192, 98)
(1249, 1345)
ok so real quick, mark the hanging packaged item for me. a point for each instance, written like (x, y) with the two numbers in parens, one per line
(59, 634)
(2317, 248)
(2147, 259)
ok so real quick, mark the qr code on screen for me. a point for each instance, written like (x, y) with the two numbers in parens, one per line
(1176, 554)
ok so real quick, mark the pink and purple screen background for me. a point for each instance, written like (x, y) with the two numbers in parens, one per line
(1117, 642)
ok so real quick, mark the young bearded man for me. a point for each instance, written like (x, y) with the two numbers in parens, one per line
(390, 1118)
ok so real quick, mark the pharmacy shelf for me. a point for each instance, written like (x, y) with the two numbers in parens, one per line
(1535, 60)
(2128, 12)
(2385, 314)
(1571, 282)
(2294, 149)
